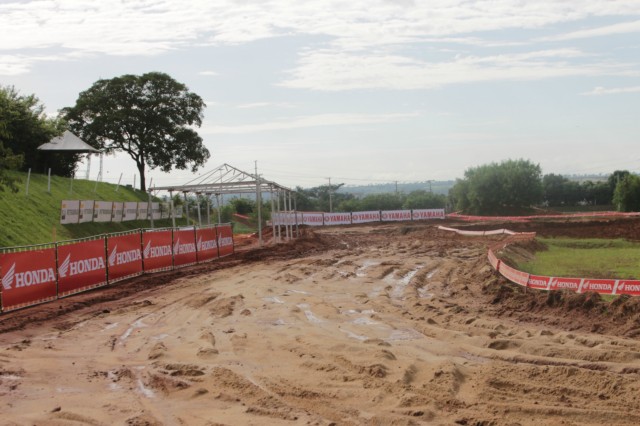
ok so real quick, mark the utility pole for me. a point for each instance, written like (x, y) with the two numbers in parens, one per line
(430, 185)
(396, 188)
(258, 203)
(330, 196)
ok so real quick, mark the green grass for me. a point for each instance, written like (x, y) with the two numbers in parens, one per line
(34, 219)
(586, 258)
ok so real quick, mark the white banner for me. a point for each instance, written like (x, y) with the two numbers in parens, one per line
(166, 211)
(337, 218)
(130, 211)
(117, 212)
(312, 219)
(143, 211)
(364, 217)
(395, 215)
(86, 211)
(287, 218)
(69, 211)
(428, 214)
(157, 213)
(102, 211)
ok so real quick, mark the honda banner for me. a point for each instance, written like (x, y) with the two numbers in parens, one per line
(427, 214)
(207, 244)
(124, 256)
(184, 247)
(225, 240)
(337, 218)
(157, 253)
(597, 285)
(69, 211)
(514, 275)
(631, 287)
(28, 277)
(81, 266)
(365, 217)
(395, 215)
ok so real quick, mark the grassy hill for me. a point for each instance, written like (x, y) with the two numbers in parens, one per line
(35, 218)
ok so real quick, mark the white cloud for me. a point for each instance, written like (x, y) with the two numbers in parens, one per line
(208, 73)
(265, 105)
(620, 28)
(602, 91)
(319, 120)
(147, 27)
(334, 70)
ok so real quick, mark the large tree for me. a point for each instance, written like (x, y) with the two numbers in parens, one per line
(150, 117)
(23, 127)
(508, 187)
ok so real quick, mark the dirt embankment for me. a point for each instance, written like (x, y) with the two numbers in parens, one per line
(387, 324)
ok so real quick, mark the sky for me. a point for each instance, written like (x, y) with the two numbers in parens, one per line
(361, 92)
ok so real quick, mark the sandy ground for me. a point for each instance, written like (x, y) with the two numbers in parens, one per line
(392, 324)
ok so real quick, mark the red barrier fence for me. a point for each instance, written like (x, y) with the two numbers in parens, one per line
(468, 218)
(81, 266)
(28, 277)
(541, 282)
(37, 274)
(157, 254)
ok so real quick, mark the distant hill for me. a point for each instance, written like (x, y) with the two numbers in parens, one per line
(438, 187)
(35, 219)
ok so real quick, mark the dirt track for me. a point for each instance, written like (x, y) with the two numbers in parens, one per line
(392, 324)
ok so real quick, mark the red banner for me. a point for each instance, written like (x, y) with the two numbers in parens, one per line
(207, 244)
(630, 287)
(493, 259)
(599, 286)
(124, 256)
(514, 275)
(539, 282)
(28, 278)
(184, 247)
(225, 240)
(572, 284)
(81, 266)
(157, 253)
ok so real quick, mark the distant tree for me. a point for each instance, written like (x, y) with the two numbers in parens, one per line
(555, 189)
(150, 117)
(421, 199)
(615, 178)
(508, 187)
(627, 194)
(24, 126)
(243, 206)
(388, 201)
(319, 198)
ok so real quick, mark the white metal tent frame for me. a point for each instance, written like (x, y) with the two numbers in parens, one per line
(226, 179)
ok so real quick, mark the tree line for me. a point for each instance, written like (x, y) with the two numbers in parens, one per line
(516, 186)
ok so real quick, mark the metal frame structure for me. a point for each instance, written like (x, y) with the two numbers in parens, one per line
(226, 179)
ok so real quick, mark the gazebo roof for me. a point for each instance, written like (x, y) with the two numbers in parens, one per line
(68, 142)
